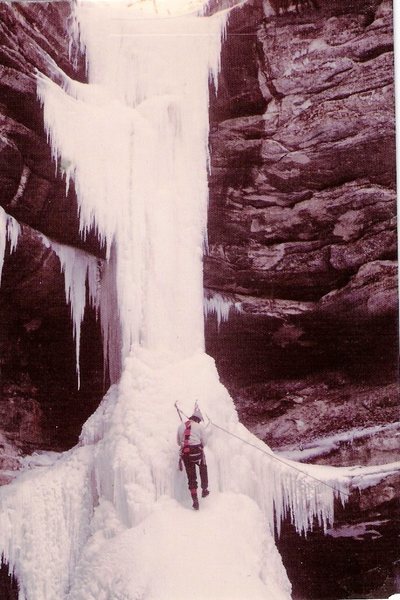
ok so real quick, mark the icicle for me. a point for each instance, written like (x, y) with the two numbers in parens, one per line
(110, 320)
(78, 268)
(220, 305)
(9, 230)
(13, 232)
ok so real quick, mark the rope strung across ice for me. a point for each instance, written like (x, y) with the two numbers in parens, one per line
(270, 455)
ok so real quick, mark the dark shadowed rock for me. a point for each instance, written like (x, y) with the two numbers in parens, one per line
(238, 90)
(371, 293)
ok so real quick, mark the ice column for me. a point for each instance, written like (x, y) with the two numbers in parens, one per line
(135, 142)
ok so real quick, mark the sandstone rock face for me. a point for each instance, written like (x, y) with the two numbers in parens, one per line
(21, 418)
(315, 407)
(303, 194)
(302, 231)
(302, 212)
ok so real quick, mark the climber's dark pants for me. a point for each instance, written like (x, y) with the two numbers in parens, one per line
(190, 460)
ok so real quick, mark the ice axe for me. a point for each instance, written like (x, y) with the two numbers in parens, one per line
(180, 462)
(178, 411)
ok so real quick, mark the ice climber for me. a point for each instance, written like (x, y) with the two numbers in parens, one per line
(191, 438)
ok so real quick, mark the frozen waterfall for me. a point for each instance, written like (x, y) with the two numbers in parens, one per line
(136, 144)
(110, 519)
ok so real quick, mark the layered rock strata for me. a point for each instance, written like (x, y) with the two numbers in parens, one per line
(303, 211)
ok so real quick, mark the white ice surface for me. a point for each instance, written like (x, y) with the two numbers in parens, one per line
(135, 142)
(44, 521)
(175, 554)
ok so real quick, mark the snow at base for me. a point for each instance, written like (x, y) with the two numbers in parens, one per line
(175, 555)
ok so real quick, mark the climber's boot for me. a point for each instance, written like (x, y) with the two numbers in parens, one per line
(195, 499)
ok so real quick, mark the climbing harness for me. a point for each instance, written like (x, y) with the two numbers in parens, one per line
(186, 435)
(195, 454)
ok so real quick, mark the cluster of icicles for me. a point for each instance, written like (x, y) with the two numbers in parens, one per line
(135, 143)
(89, 279)
(9, 232)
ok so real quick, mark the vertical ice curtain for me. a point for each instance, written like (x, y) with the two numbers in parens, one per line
(134, 140)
